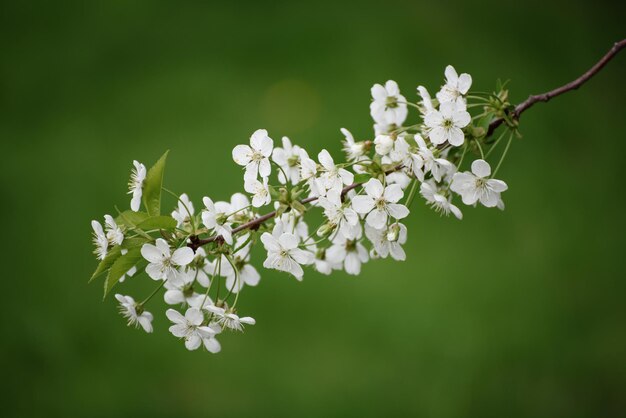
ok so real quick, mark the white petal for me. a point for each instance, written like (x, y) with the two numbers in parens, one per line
(377, 218)
(288, 241)
(362, 204)
(183, 256)
(151, 253)
(393, 193)
(374, 188)
(241, 154)
(398, 211)
(175, 316)
(481, 168)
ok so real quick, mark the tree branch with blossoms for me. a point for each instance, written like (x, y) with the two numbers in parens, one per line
(201, 261)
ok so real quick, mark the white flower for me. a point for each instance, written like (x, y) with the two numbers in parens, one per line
(426, 100)
(181, 290)
(114, 232)
(229, 319)
(388, 241)
(210, 342)
(389, 106)
(135, 185)
(383, 144)
(287, 158)
(162, 262)
(308, 167)
(349, 253)
(354, 150)
(215, 217)
(99, 240)
(379, 203)
(476, 186)
(260, 191)
(134, 313)
(240, 208)
(255, 158)
(283, 254)
(456, 86)
(189, 327)
(438, 201)
(424, 161)
(340, 216)
(333, 176)
(184, 212)
(322, 264)
(446, 123)
(400, 178)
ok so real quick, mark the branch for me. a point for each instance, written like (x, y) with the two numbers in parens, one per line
(573, 85)
(519, 109)
(255, 223)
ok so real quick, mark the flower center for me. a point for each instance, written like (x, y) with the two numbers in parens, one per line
(391, 102)
(448, 123)
(293, 161)
(381, 203)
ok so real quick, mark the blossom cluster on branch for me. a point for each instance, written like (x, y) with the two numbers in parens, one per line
(201, 257)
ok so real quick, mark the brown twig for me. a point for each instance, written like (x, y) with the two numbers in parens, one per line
(573, 85)
(196, 242)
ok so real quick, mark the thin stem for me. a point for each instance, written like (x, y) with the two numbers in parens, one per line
(154, 292)
(409, 199)
(506, 149)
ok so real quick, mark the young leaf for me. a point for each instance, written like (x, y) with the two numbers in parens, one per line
(121, 267)
(104, 265)
(131, 219)
(158, 222)
(152, 187)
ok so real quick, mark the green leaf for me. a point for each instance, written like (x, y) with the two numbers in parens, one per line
(131, 219)
(121, 267)
(152, 187)
(105, 264)
(158, 222)
(362, 178)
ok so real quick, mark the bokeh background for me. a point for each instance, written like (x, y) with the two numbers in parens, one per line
(518, 313)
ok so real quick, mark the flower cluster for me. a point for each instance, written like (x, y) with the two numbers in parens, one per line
(202, 259)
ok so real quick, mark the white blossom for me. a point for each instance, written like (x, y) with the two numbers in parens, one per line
(333, 177)
(424, 161)
(283, 254)
(135, 185)
(189, 327)
(437, 200)
(456, 86)
(349, 253)
(287, 158)
(255, 158)
(340, 216)
(114, 233)
(228, 319)
(383, 144)
(100, 240)
(354, 150)
(134, 313)
(184, 212)
(477, 187)
(388, 106)
(379, 203)
(162, 262)
(246, 273)
(260, 192)
(215, 217)
(446, 124)
(181, 290)
(388, 241)
(427, 102)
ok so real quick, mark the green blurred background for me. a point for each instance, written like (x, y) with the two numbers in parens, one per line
(505, 314)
